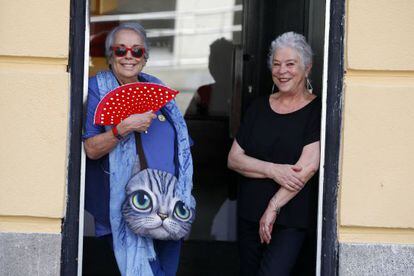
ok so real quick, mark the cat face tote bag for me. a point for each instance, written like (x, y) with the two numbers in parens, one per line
(152, 207)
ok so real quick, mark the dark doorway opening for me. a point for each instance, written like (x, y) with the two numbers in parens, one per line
(329, 254)
(262, 21)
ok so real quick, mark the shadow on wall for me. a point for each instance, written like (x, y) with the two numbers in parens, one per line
(214, 99)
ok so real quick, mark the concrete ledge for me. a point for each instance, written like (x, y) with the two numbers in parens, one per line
(29, 254)
(376, 259)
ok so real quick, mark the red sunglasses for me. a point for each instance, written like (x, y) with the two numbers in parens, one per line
(121, 51)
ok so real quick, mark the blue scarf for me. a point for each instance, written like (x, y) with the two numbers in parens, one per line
(133, 253)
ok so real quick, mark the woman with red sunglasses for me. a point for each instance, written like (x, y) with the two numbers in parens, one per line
(127, 52)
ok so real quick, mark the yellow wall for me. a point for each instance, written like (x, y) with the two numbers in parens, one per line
(34, 105)
(376, 192)
(375, 202)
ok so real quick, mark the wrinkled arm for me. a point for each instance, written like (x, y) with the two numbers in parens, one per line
(246, 165)
(309, 162)
(284, 174)
(101, 144)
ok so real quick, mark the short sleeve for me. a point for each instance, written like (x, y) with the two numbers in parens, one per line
(246, 126)
(313, 125)
(90, 129)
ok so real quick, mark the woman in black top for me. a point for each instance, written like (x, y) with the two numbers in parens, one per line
(276, 152)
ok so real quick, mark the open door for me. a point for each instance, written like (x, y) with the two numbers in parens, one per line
(215, 53)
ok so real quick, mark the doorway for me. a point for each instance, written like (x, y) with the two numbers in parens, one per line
(191, 50)
(218, 56)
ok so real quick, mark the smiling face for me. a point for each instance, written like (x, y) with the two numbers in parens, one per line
(126, 68)
(288, 72)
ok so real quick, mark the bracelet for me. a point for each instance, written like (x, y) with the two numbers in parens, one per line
(116, 133)
(277, 210)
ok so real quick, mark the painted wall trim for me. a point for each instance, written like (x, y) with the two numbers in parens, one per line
(26, 224)
(329, 256)
(70, 227)
(376, 235)
(379, 74)
(323, 136)
(83, 155)
(24, 60)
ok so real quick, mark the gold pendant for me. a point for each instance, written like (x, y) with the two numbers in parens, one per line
(161, 118)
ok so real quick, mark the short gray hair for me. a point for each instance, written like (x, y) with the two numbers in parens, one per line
(294, 41)
(134, 26)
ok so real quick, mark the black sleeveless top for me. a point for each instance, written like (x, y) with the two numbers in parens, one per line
(278, 138)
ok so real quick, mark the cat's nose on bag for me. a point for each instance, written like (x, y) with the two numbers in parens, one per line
(162, 216)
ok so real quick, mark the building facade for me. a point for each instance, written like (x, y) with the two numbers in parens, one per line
(375, 221)
(373, 216)
(34, 93)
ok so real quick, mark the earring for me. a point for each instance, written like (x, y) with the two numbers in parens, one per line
(273, 88)
(309, 85)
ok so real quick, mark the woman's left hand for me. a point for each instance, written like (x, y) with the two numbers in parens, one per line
(266, 224)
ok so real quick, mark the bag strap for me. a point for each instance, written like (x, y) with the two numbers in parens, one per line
(140, 151)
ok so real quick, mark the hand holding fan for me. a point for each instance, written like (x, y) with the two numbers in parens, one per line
(132, 98)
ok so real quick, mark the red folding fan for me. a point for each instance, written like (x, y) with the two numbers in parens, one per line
(132, 98)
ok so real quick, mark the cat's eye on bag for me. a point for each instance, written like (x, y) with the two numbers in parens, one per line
(152, 207)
